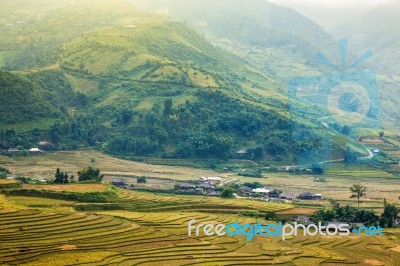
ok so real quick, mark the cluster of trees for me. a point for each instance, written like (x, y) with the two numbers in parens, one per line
(346, 214)
(345, 130)
(257, 174)
(91, 175)
(356, 215)
(275, 193)
(213, 126)
(63, 178)
(227, 192)
(350, 156)
(85, 175)
(3, 172)
(350, 214)
(317, 169)
(390, 215)
(253, 185)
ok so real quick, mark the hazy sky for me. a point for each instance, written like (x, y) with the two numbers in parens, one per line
(333, 3)
(331, 13)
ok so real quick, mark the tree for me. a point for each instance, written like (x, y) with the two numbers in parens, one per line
(358, 192)
(270, 215)
(346, 130)
(61, 177)
(346, 214)
(58, 176)
(65, 178)
(253, 185)
(334, 204)
(82, 66)
(275, 193)
(381, 134)
(90, 174)
(317, 169)
(389, 215)
(227, 193)
(142, 180)
(350, 156)
(168, 104)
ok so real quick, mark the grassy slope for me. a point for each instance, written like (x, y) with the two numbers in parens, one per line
(272, 37)
(23, 100)
(254, 32)
(156, 51)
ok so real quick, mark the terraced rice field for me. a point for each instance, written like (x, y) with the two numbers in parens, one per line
(152, 228)
(32, 237)
(149, 202)
(74, 161)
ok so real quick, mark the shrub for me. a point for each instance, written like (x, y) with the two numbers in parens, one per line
(227, 193)
(271, 215)
(75, 196)
(254, 214)
(10, 185)
(90, 174)
(142, 180)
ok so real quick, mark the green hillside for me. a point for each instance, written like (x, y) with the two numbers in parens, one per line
(130, 82)
(37, 40)
(23, 100)
(273, 38)
(277, 40)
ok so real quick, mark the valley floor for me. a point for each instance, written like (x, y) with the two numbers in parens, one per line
(339, 177)
(143, 228)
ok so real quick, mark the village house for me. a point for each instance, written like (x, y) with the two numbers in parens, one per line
(241, 153)
(263, 191)
(210, 179)
(199, 190)
(187, 186)
(376, 151)
(310, 196)
(45, 144)
(245, 191)
(214, 194)
(285, 196)
(206, 186)
(13, 150)
(303, 219)
(35, 151)
(120, 183)
(202, 179)
(40, 181)
(214, 179)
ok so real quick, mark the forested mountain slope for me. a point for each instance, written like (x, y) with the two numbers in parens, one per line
(125, 81)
